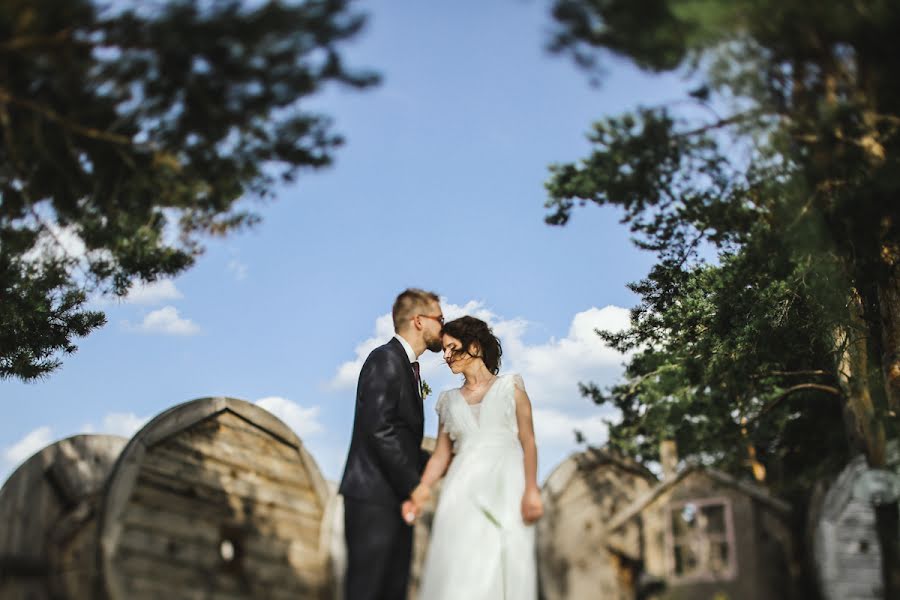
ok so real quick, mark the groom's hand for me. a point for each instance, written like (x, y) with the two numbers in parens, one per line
(409, 512)
(412, 508)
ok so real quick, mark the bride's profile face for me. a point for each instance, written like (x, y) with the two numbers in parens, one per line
(454, 355)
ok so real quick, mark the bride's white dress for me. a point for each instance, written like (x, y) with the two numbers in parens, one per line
(479, 547)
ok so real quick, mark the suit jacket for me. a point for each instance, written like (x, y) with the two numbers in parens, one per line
(385, 460)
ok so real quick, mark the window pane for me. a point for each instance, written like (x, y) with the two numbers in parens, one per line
(684, 519)
(685, 560)
(714, 518)
(718, 557)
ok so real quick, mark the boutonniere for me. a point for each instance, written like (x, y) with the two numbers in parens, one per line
(426, 389)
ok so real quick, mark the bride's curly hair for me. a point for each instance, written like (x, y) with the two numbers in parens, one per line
(475, 332)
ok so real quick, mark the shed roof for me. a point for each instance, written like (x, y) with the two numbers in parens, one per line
(754, 491)
(590, 458)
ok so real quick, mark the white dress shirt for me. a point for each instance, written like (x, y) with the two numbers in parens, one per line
(410, 353)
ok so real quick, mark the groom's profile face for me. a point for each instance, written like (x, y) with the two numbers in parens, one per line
(431, 327)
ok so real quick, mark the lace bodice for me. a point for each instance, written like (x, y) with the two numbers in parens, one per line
(494, 414)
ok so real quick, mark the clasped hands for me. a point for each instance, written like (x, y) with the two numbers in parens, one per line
(413, 506)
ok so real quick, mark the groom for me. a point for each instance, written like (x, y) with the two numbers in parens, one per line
(385, 459)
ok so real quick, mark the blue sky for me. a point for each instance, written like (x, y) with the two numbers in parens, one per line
(440, 186)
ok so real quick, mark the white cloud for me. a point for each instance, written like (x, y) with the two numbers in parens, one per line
(238, 269)
(124, 424)
(558, 428)
(348, 372)
(155, 292)
(552, 369)
(57, 241)
(60, 242)
(28, 445)
(166, 321)
(304, 421)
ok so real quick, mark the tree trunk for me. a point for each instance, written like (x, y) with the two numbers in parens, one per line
(865, 429)
(888, 516)
(889, 308)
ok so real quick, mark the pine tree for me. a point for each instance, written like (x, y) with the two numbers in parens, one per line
(129, 132)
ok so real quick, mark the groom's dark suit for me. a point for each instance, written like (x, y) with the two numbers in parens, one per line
(383, 466)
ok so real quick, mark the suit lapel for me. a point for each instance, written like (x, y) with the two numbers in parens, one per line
(411, 377)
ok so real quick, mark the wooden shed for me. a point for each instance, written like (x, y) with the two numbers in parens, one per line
(845, 545)
(703, 534)
(48, 502)
(580, 497)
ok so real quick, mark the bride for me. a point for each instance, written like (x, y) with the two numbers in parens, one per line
(482, 542)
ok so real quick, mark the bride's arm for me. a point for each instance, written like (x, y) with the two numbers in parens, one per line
(434, 470)
(532, 506)
(440, 460)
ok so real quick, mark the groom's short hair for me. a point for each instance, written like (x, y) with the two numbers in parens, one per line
(409, 303)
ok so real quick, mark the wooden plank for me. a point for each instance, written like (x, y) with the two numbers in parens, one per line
(217, 474)
(176, 524)
(183, 575)
(154, 588)
(178, 418)
(28, 508)
(164, 503)
(44, 503)
(23, 589)
(222, 454)
(264, 419)
(217, 587)
(272, 547)
(258, 551)
(188, 414)
(250, 428)
(189, 480)
(74, 566)
(82, 464)
(233, 430)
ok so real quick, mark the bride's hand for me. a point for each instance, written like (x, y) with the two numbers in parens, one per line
(532, 505)
(421, 495)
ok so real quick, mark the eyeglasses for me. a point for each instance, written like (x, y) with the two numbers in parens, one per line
(438, 318)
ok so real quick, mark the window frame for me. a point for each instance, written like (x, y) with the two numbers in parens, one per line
(704, 575)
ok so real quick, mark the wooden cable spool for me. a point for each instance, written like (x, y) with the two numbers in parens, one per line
(47, 517)
(214, 498)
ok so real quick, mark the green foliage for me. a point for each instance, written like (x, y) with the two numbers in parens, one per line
(727, 357)
(41, 312)
(784, 167)
(127, 133)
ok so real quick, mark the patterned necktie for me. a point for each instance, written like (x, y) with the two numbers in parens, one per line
(415, 368)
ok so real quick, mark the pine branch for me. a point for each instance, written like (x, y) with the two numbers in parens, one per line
(797, 388)
(32, 41)
(810, 372)
(51, 115)
(726, 122)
